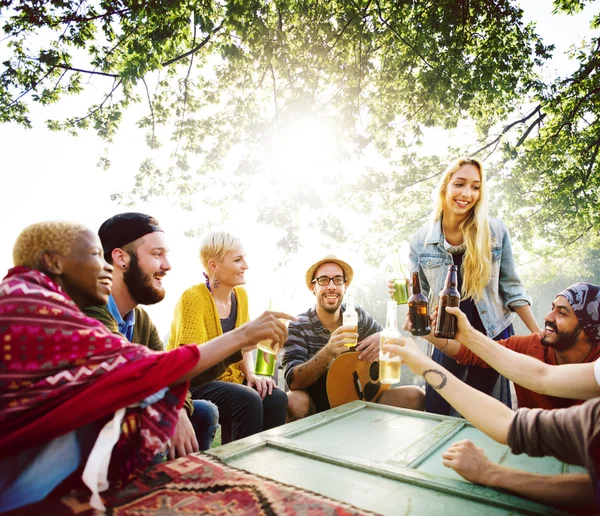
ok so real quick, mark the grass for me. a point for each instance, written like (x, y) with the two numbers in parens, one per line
(217, 440)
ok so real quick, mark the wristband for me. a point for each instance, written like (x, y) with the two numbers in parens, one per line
(447, 342)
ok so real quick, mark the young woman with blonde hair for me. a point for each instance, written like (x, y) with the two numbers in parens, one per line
(461, 233)
(247, 403)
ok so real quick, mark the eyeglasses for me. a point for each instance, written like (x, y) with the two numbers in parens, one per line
(323, 281)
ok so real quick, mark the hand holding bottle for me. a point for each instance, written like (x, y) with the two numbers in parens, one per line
(340, 340)
(406, 350)
(463, 326)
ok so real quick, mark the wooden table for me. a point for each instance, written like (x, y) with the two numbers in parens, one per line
(384, 459)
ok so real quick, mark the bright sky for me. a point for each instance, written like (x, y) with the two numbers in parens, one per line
(48, 175)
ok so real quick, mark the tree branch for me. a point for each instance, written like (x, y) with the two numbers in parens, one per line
(508, 128)
(402, 187)
(274, 91)
(193, 50)
(80, 19)
(529, 129)
(90, 72)
(99, 107)
(185, 96)
(151, 108)
(385, 22)
(562, 246)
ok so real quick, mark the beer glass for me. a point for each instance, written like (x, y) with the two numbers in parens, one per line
(265, 363)
(267, 344)
(401, 290)
(389, 366)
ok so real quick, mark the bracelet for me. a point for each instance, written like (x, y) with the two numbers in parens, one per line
(447, 342)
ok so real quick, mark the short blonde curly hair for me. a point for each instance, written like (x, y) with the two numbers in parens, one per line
(216, 245)
(52, 235)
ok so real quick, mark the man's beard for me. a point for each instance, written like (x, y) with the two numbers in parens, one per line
(329, 308)
(563, 340)
(140, 285)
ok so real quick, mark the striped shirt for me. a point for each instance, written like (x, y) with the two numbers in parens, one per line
(307, 336)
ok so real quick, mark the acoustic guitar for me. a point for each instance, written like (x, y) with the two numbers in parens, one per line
(350, 379)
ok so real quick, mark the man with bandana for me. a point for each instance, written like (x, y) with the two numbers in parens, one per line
(136, 246)
(571, 341)
(571, 336)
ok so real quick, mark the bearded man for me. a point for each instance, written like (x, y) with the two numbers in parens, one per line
(136, 246)
(571, 336)
(318, 337)
(562, 361)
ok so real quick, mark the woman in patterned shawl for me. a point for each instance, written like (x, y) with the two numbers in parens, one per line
(78, 403)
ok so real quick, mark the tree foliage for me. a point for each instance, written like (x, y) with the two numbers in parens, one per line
(220, 80)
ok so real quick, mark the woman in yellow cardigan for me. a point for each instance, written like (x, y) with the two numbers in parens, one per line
(247, 404)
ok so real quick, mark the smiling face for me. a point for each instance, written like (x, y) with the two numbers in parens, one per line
(85, 276)
(148, 265)
(462, 191)
(231, 270)
(329, 297)
(562, 329)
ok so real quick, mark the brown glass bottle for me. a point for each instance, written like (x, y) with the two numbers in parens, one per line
(418, 307)
(445, 326)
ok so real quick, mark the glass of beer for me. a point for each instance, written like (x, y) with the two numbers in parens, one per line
(401, 290)
(267, 344)
(265, 363)
(389, 365)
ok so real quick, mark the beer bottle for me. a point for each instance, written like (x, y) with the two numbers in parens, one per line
(389, 366)
(350, 317)
(445, 326)
(418, 306)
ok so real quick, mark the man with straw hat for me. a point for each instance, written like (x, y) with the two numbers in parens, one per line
(318, 337)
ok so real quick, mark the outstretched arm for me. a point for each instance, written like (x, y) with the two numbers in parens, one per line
(571, 491)
(567, 381)
(486, 413)
(246, 337)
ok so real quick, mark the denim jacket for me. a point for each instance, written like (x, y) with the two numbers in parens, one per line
(502, 294)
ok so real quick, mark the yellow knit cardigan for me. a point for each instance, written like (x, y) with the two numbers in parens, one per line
(196, 321)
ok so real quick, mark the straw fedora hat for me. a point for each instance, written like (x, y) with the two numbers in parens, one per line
(330, 258)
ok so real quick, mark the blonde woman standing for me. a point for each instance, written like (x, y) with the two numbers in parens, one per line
(461, 233)
(247, 404)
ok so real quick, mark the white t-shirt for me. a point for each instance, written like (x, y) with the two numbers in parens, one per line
(597, 370)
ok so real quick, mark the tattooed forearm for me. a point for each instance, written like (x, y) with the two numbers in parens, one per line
(435, 378)
(306, 374)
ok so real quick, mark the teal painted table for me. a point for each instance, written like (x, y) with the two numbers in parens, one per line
(384, 459)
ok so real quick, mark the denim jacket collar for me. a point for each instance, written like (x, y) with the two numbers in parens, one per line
(436, 235)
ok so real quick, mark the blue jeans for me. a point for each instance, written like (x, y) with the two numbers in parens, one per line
(205, 421)
(241, 411)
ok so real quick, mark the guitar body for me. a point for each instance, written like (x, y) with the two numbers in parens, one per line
(350, 379)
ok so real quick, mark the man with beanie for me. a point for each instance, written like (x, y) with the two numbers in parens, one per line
(136, 246)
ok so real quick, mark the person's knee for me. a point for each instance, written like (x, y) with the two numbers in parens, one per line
(300, 405)
(414, 398)
(275, 408)
(408, 396)
(279, 399)
(205, 413)
(249, 399)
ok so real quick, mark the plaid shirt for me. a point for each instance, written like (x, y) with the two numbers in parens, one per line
(308, 336)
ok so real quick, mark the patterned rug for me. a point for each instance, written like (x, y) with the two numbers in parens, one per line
(200, 484)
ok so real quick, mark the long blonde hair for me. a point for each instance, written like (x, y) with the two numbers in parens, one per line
(477, 262)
